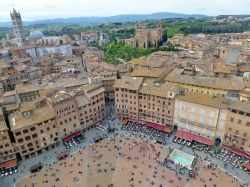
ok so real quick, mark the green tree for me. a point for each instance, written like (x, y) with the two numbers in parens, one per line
(114, 51)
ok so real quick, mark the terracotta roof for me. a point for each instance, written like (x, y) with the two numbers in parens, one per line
(151, 72)
(38, 115)
(143, 61)
(236, 83)
(154, 73)
(9, 93)
(91, 87)
(228, 69)
(66, 82)
(82, 100)
(58, 96)
(130, 83)
(164, 53)
(222, 68)
(247, 166)
(26, 107)
(244, 68)
(204, 99)
(11, 106)
(27, 88)
(88, 88)
(245, 91)
(109, 78)
(3, 126)
(150, 87)
(94, 92)
(241, 106)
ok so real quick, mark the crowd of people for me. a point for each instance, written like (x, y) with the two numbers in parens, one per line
(193, 144)
(74, 141)
(230, 158)
(145, 147)
(142, 129)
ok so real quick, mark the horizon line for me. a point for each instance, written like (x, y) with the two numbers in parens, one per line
(62, 17)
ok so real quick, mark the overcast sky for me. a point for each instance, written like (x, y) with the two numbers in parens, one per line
(43, 9)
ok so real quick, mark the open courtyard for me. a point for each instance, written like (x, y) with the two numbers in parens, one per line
(123, 161)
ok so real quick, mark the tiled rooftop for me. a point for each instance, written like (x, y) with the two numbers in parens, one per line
(37, 115)
(204, 99)
(130, 83)
(236, 83)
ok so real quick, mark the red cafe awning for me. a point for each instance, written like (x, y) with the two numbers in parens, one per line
(184, 135)
(236, 151)
(125, 122)
(8, 164)
(155, 126)
(193, 137)
(67, 138)
(203, 140)
(168, 129)
(247, 166)
(150, 124)
(137, 120)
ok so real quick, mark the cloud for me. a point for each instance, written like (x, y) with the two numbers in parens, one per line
(40, 9)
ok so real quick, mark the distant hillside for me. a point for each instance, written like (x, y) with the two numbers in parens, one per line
(98, 20)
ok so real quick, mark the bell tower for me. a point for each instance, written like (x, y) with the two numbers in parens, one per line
(18, 26)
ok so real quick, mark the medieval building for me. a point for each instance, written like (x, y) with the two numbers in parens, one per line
(146, 38)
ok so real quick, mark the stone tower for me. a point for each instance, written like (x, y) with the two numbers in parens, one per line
(160, 30)
(18, 26)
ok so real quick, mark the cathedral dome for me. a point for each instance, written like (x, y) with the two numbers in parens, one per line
(36, 34)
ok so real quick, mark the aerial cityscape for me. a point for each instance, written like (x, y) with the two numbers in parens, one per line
(115, 93)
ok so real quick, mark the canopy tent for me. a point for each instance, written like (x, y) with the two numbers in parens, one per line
(75, 134)
(247, 166)
(9, 164)
(125, 122)
(153, 125)
(236, 151)
(202, 139)
(184, 135)
(193, 137)
(168, 129)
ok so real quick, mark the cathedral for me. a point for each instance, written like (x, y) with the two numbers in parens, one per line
(36, 45)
